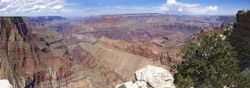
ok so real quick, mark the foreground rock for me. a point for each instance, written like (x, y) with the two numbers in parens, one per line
(5, 84)
(150, 77)
(132, 84)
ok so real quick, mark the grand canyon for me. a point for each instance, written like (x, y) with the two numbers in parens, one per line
(132, 50)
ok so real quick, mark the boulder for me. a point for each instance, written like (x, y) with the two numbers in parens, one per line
(131, 84)
(5, 84)
(156, 77)
(150, 77)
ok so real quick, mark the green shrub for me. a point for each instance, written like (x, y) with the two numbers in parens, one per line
(211, 63)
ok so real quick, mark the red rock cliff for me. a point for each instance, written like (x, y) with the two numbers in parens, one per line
(26, 64)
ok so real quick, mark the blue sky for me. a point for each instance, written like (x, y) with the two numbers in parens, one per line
(107, 7)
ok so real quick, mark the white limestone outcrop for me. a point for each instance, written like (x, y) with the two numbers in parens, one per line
(150, 77)
(5, 84)
(131, 84)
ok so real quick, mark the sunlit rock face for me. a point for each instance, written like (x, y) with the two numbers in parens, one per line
(132, 84)
(5, 84)
(118, 45)
(150, 77)
(155, 76)
(26, 63)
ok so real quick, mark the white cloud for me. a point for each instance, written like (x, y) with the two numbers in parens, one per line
(5, 1)
(63, 8)
(57, 7)
(211, 9)
(171, 2)
(174, 7)
(31, 7)
(180, 9)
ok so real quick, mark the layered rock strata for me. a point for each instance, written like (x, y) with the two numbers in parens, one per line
(26, 64)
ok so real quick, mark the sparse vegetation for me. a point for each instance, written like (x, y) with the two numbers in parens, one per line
(211, 63)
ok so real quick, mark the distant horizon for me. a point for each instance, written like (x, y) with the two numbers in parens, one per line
(86, 8)
(164, 14)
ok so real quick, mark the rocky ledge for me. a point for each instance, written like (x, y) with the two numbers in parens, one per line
(243, 19)
(5, 83)
(150, 77)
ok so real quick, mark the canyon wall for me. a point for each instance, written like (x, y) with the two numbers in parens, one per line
(26, 62)
(243, 19)
(117, 45)
(240, 37)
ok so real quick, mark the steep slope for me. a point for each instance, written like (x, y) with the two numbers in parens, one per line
(114, 57)
(26, 64)
(117, 45)
(121, 62)
(240, 37)
(142, 49)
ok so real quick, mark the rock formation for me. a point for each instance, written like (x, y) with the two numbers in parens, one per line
(116, 46)
(243, 19)
(112, 61)
(25, 62)
(150, 77)
(240, 37)
(5, 84)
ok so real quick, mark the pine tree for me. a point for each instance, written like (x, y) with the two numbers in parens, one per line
(210, 63)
